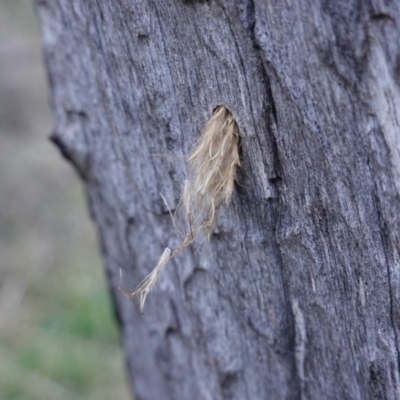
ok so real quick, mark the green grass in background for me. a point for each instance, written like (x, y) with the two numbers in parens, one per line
(58, 337)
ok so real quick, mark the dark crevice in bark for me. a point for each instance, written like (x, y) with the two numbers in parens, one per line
(247, 14)
(382, 17)
(193, 2)
(81, 168)
(290, 318)
(249, 20)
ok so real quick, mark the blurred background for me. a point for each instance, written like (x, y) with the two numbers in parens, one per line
(58, 338)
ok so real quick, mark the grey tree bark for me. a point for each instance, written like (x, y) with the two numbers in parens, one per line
(297, 293)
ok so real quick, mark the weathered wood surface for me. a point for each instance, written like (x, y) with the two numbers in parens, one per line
(297, 294)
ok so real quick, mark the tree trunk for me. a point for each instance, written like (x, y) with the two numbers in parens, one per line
(297, 293)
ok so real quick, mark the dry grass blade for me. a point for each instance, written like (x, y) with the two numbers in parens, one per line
(148, 283)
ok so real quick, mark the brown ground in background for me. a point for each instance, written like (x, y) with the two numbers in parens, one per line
(57, 336)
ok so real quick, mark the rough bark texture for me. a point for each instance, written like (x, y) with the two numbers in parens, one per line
(297, 294)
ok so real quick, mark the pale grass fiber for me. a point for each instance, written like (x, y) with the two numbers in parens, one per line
(213, 165)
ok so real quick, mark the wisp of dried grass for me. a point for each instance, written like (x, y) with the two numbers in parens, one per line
(213, 165)
(213, 170)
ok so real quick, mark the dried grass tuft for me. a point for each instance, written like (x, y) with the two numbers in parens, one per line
(213, 166)
(213, 170)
